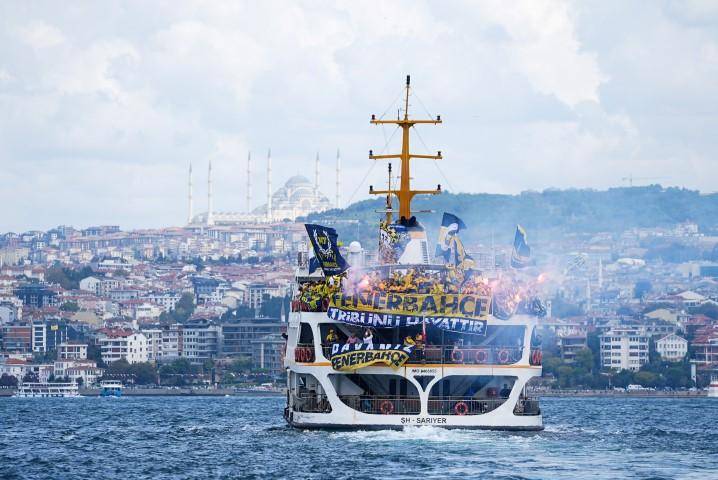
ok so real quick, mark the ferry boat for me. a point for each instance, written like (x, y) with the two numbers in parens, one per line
(110, 388)
(364, 356)
(47, 390)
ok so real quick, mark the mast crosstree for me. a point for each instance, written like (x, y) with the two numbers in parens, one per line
(404, 193)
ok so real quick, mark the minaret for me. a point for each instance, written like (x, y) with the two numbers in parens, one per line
(600, 274)
(316, 177)
(339, 181)
(249, 182)
(269, 185)
(189, 196)
(210, 217)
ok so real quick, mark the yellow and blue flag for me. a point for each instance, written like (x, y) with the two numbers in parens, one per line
(521, 255)
(449, 241)
(326, 250)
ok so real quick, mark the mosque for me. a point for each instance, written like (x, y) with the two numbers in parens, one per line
(297, 198)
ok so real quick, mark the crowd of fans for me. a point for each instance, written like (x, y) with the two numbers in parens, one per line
(314, 296)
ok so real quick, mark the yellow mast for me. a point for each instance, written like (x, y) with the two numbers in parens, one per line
(404, 193)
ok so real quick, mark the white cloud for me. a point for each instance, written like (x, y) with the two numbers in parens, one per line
(104, 107)
(39, 35)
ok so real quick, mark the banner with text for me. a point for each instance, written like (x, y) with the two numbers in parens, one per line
(358, 355)
(463, 313)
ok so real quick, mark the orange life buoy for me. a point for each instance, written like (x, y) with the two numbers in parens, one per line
(461, 408)
(457, 356)
(482, 356)
(503, 356)
(386, 407)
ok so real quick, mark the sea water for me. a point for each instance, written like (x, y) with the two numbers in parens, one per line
(245, 437)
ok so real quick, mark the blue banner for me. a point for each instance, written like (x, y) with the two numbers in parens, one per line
(326, 249)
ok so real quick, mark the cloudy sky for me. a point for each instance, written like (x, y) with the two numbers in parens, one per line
(103, 105)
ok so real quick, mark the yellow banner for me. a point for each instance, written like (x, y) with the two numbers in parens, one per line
(440, 305)
(353, 357)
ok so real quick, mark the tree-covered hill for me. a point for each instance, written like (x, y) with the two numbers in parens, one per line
(547, 212)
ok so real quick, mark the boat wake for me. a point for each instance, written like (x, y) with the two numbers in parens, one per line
(412, 434)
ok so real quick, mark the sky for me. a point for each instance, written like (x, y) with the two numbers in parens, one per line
(103, 105)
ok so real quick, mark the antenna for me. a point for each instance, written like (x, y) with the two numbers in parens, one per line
(405, 194)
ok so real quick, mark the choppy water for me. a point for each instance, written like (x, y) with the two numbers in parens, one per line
(245, 437)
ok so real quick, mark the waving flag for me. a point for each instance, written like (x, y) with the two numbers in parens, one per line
(521, 256)
(449, 241)
(326, 250)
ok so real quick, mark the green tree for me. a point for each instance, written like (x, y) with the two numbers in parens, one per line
(144, 373)
(70, 307)
(622, 378)
(584, 359)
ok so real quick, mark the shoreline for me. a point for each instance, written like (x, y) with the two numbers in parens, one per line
(223, 392)
(616, 394)
(174, 392)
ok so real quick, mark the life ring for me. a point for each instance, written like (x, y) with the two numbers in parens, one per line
(461, 408)
(457, 356)
(386, 407)
(503, 355)
(482, 356)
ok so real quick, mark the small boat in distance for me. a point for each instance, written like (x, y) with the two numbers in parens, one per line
(47, 390)
(110, 388)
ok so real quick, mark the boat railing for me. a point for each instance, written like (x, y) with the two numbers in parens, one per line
(383, 405)
(474, 406)
(311, 402)
(450, 355)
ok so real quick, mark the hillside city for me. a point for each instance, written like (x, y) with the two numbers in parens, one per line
(207, 304)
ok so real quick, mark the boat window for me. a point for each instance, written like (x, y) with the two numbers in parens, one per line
(469, 395)
(305, 334)
(377, 394)
(307, 394)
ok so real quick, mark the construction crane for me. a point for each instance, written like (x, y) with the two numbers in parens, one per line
(631, 178)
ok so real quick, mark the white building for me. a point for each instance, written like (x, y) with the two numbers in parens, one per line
(166, 300)
(672, 348)
(201, 341)
(256, 293)
(154, 343)
(91, 284)
(624, 349)
(126, 345)
(72, 351)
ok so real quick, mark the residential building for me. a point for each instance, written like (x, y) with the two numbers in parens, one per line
(47, 335)
(17, 338)
(672, 348)
(72, 351)
(123, 344)
(624, 349)
(201, 340)
(154, 343)
(36, 295)
(268, 353)
(238, 336)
